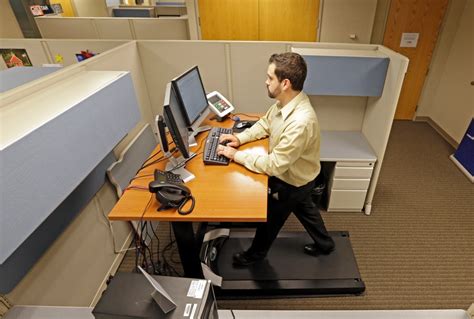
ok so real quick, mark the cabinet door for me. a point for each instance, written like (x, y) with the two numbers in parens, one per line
(228, 19)
(283, 20)
(347, 200)
(266, 20)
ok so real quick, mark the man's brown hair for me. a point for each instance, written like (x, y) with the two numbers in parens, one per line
(290, 66)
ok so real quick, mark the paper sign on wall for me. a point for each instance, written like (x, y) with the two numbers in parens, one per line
(409, 40)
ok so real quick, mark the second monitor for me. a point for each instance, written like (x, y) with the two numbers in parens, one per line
(176, 123)
(192, 98)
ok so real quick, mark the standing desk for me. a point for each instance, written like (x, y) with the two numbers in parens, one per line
(223, 194)
(234, 194)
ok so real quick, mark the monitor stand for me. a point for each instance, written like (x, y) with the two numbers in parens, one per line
(173, 162)
(192, 137)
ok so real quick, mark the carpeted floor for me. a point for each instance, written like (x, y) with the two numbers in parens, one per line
(416, 249)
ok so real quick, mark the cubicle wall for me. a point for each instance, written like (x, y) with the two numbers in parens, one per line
(175, 28)
(74, 269)
(236, 69)
(42, 51)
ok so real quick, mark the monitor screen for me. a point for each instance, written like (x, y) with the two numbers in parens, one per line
(191, 94)
(175, 121)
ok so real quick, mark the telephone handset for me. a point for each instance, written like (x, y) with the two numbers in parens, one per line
(171, 192)
(219, 104)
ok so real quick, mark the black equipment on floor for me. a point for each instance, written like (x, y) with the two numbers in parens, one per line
(286, 270)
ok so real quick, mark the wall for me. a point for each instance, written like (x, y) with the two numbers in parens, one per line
(448, 98)
(380, 20)
(357, 16)
(90, 8)
(9, 27)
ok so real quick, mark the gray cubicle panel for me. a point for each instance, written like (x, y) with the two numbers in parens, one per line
(165, 28)
(113, 28)
(89, 28)
(77, 28)
(164, 60)
(248, 69)
(45, 159)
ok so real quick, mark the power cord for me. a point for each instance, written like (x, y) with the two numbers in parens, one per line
(109, 224)
(235, 117)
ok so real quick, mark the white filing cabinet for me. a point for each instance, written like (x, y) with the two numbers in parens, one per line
(348, 162)
(348, 185)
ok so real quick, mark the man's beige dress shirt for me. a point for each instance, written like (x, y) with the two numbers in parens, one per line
(294, 142)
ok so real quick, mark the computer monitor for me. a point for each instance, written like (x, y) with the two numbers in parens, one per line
(193, 101)
(176, 123)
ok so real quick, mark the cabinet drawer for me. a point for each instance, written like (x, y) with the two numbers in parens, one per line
(355, 164)
(352, 172)
(352, 183)
(347, 200)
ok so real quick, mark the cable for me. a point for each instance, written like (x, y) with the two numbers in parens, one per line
(190, 209)
(159, 151)
(141, 176)
(168, 269)
(251, 116)
(162, 158)
(137, 254)
(182, 163)
(109, 224)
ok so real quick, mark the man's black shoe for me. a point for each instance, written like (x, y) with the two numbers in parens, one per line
(312, 250)
(246, 259)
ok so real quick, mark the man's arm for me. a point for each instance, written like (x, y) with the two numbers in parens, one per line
(292, 144)
(259, 130)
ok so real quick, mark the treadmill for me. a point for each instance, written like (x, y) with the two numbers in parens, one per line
(286, 271)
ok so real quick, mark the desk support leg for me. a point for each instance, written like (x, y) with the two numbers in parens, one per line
(188, 249)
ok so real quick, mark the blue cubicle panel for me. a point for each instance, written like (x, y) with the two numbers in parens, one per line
(465, 151)
(40, 170)
(17, 265)
(13, 77)
(346, 76)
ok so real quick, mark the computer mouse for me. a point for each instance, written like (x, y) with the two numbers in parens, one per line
(243, 124)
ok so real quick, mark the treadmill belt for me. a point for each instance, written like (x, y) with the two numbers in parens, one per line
(288, 269)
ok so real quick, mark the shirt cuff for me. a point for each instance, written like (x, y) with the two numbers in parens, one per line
(243, 137)
(239, 157)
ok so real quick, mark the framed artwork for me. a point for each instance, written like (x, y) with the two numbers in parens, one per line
(57, 8)
(15, 57)
(84, 55)
(36, 10)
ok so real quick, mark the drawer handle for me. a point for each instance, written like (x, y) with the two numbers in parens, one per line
(470, 136)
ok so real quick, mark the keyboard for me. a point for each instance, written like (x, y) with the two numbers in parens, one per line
(210, 156)
(167, 177)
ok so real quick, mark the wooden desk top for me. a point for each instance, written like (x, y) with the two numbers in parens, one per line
(223, 193)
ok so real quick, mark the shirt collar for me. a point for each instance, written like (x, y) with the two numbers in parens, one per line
(288, 109)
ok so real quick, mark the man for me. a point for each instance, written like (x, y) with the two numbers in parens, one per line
(293, 160)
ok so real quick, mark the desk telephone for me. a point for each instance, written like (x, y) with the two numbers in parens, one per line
(171, 192)
(219, 104)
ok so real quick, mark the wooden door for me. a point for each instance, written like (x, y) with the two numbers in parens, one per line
(271, 20)
(283, 20)
(229, 19)
(423, 17)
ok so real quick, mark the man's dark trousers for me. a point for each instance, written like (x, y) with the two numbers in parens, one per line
(283, 199)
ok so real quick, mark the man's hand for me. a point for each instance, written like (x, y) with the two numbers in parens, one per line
(229, 140)
(227, 151)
